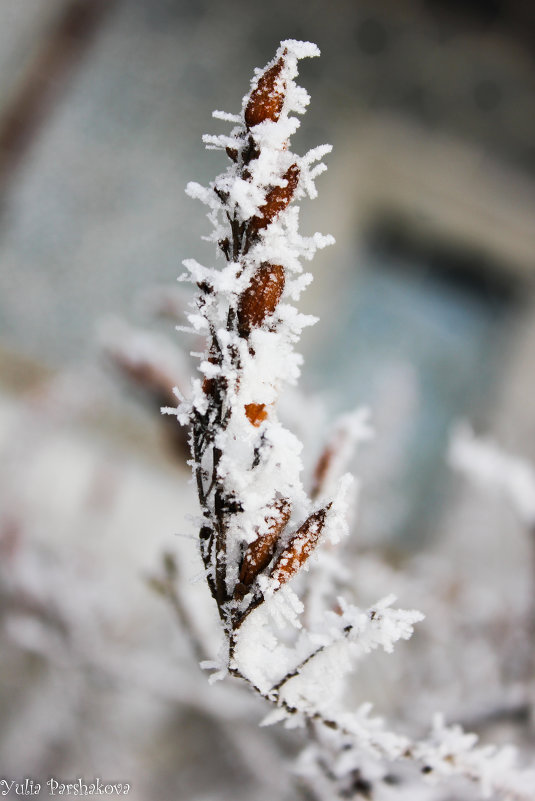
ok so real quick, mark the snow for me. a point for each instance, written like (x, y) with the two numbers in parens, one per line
(255, 369)
(295, 655)
(490, 466)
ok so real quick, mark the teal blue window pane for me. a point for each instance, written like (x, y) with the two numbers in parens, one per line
(427, 342)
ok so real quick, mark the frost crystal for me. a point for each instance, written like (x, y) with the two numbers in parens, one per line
(258, 521)
(261, 532)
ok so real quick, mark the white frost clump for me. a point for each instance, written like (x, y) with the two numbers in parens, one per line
(261, 531)
(256, 367)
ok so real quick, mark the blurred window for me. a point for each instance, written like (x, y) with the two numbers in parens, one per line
(420, 339)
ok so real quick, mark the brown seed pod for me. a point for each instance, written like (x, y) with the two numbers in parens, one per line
(323, 467)
(266, 99)
(277, 199)
(300, 547)
(259, 553)
(260, 298)
(256, 413)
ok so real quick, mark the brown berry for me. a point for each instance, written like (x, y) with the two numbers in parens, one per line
(256, 413)
(259, 300)
(266, 99)
(259, 553)
(301, 545)
(277, 199)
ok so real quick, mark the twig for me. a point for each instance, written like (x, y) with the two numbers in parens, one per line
(166, 585)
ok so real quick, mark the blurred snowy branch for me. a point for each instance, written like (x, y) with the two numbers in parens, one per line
(486, 463)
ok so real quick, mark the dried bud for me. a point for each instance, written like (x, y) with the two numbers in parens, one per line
(321, 471)
(277, 199)
(267, 98)
(260, 552)
(261, 297)
(256, 413)
(300, 547)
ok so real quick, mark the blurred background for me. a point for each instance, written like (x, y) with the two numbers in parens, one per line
(427, 310)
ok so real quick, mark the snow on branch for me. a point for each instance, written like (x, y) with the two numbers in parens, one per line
(487, 464)
(258, 522)
(348, 431)
(358, 745)
(260, 530)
